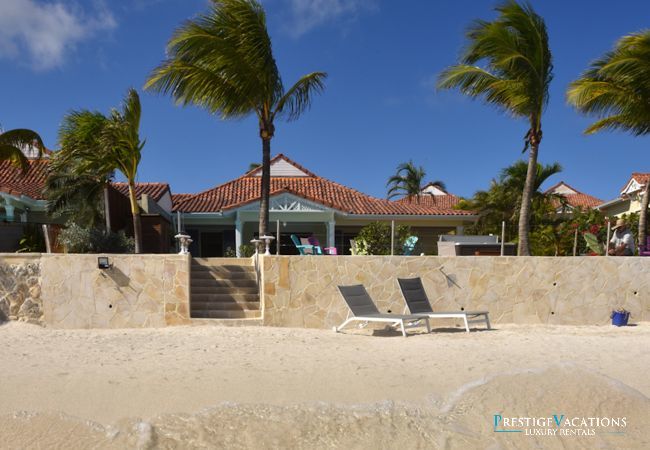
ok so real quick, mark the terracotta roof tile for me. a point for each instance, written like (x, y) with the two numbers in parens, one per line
(154, 190)
(448, 201)
(577, 200)
(177, 198)
(30, 184)
(246, 189)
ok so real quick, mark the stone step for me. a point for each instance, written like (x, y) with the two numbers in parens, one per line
(224, 306)
(250, 322)
(212, 289)
(223, 314)
(223, 261)
(212, 283)
(211, 275)
(226, 270)
(225, 297)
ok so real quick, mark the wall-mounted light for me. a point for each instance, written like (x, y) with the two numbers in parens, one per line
(103, 263)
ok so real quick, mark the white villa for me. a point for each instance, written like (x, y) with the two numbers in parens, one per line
(223, 218)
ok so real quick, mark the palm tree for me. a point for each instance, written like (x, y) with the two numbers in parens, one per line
(408, 182)
(222, 61)
(71, 188)
(516, 78)
(13, 142)
(616, 89)
(93, 145)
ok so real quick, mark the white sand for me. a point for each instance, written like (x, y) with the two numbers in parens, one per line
(108, 375)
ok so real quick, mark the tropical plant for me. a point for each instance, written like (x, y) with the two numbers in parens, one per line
(93, 147)
(246, 250)
(516, 79)
(501, 202)
(375, 239)
(77, 239)
(222, 61)
(616, 89)
(32, 240)
(408, 181)
(13, 142)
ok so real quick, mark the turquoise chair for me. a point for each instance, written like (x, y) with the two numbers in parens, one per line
(409, 245)
(305, 249)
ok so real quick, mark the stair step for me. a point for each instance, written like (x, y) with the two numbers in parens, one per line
(221, 314)
(222, 269)
(221, 322)
(225, 297)
(212, 282)
(224, 290)
(223, 261)
(212, 275)
(224, 306)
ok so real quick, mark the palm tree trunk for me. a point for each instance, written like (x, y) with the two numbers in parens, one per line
(266, 186)
(643, 214)
(135, 212)
(526, 199)
(107, 209)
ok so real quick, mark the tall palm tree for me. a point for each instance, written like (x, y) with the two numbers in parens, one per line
(93, 145)
(515, 78)
(13, 142)
(222, 61)
(616, 89)
(408, 181)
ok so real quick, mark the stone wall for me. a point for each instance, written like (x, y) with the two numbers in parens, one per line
(137, 291)
(300, 291)
(20, 289)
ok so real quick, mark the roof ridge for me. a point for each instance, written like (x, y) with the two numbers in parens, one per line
(287, 159)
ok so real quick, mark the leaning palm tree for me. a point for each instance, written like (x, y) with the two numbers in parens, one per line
(93, 145)
(13, 142)
(72, 189)
(222, 61)
(616, 89)
(515, 78)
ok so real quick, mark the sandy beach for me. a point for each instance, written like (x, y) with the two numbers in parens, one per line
(201, 387)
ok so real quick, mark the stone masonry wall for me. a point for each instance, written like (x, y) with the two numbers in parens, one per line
(137, 291)
(20, 289)
(301, 291)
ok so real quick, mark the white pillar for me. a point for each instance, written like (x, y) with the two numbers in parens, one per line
(238, 232)
(330, 233)
(460, 230)
(9, 210)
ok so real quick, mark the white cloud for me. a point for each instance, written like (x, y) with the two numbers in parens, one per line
(308, 14)
(42, 33)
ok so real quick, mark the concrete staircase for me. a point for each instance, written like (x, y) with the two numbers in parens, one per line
(223, 288)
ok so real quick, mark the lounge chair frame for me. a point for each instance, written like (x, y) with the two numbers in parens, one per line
(364, 310)
(419, 305)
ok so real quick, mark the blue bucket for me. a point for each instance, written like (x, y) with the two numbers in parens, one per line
(620, 318)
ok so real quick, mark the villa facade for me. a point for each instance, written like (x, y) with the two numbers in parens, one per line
(629, 199)
(220, 220)
(573, 199)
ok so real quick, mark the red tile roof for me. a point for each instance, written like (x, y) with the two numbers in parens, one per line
(246, 189)
(154, 190)
(30, 184)
(448, 201)
(577, 200)
(177, 198)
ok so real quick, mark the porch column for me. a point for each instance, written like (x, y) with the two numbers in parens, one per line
(460, 230)
(238, 231)
(330, 233)
(9, 210)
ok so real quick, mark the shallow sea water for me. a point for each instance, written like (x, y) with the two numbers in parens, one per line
(461, 420)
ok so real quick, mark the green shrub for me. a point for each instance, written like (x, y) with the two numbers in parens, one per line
(246, 250)
(374, 239)
(32, 241)
(77, 239)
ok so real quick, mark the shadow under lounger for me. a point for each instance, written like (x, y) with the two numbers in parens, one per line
(418, 304)
(364, 310)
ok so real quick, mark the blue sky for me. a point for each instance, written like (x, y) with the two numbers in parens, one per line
(379, 107)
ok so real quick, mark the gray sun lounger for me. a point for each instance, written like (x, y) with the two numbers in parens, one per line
(418, 304)
(364, 310)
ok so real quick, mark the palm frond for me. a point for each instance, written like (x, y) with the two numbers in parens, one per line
(15, 156)
(298, 98)
(616, 87)
(23, 138)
